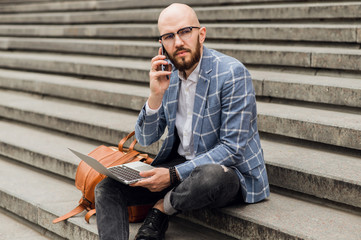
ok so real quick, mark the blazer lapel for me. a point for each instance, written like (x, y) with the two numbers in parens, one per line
(201, 96)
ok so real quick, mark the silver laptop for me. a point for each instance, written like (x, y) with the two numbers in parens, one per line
(127, 173)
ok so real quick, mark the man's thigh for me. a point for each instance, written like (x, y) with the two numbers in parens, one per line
(210, 185)
(125, 193)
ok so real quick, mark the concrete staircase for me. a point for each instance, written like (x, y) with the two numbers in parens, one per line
(75, 73)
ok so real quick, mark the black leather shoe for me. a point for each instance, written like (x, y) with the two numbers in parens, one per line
(154, 226)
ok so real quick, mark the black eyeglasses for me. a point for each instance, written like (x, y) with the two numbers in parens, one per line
(183, 33)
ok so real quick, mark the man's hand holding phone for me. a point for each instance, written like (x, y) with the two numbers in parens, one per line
(158, 79)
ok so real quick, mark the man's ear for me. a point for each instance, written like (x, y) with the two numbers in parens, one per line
(202, 34)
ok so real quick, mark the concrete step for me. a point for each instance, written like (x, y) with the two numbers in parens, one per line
(303, 11)
(333, 126)
(280, 217)
(318, 89)
(124, 4)
(98, 91)
(313, 170)
(43, 149)
(309, 88)
(48, 6)
(10, 2)
(318, 124)
(117, 68)
(291, 56)
(39, 198)
(103, 124)
(288, 32)
(13, 227)
(291, 32)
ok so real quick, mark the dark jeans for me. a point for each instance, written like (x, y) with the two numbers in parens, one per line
(208, 185)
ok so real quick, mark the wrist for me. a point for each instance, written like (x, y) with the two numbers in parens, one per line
(154, 101)
(174, 178)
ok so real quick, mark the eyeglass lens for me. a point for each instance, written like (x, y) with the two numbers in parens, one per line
(184, 34)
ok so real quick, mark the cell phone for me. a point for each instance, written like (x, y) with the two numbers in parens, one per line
(164, 52)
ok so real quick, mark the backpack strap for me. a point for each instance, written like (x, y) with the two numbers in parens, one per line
(89, 214)
(120, 145)
(131, 147)
(73, 212)
(129, 156)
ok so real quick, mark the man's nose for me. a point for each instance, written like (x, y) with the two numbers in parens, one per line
(178, 41)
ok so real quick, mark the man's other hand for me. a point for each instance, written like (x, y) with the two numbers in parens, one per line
(155, 180)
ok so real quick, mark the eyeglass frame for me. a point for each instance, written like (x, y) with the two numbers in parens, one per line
(177, 33)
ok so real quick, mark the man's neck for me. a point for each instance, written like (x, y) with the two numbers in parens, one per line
(188, 72)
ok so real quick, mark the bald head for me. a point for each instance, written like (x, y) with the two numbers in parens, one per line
(175, 16)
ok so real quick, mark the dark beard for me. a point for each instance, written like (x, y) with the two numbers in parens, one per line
(182, 65)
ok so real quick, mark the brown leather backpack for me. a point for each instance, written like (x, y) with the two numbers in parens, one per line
(87, 178)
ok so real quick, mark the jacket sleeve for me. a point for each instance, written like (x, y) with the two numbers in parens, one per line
(149, 128)
(238, 111)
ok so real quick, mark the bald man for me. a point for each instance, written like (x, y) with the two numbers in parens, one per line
(211, 155)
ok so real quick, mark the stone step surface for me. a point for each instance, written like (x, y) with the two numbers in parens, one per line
(309, 88)
(43, 149)
(280, 217)
(306, 57)
(308, 11)
(35, 199)
(329, 90)
(111, 4)
(319, 89)
(71, 117)
(340, 128)
(9, 2)
(313, 170)
(338, 32)
(13, 227)
(74, 118)
(116, 68)
(116, 94)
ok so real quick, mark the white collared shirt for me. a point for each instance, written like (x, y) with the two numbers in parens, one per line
(184, 113)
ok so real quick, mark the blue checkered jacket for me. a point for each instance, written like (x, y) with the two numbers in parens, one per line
(224, 124)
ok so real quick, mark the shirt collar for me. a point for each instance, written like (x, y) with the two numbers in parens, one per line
(194, 76)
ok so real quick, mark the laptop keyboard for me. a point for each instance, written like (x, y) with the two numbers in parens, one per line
(125, 173)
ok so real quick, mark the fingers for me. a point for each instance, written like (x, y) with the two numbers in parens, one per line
(159, 75)
(147, 173)
(146, 183)
(157, 61)
(155, 180)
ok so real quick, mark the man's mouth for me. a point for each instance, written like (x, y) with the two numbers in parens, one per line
(181, 53)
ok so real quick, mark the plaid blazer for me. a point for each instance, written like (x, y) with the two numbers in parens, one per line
(224, 124)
